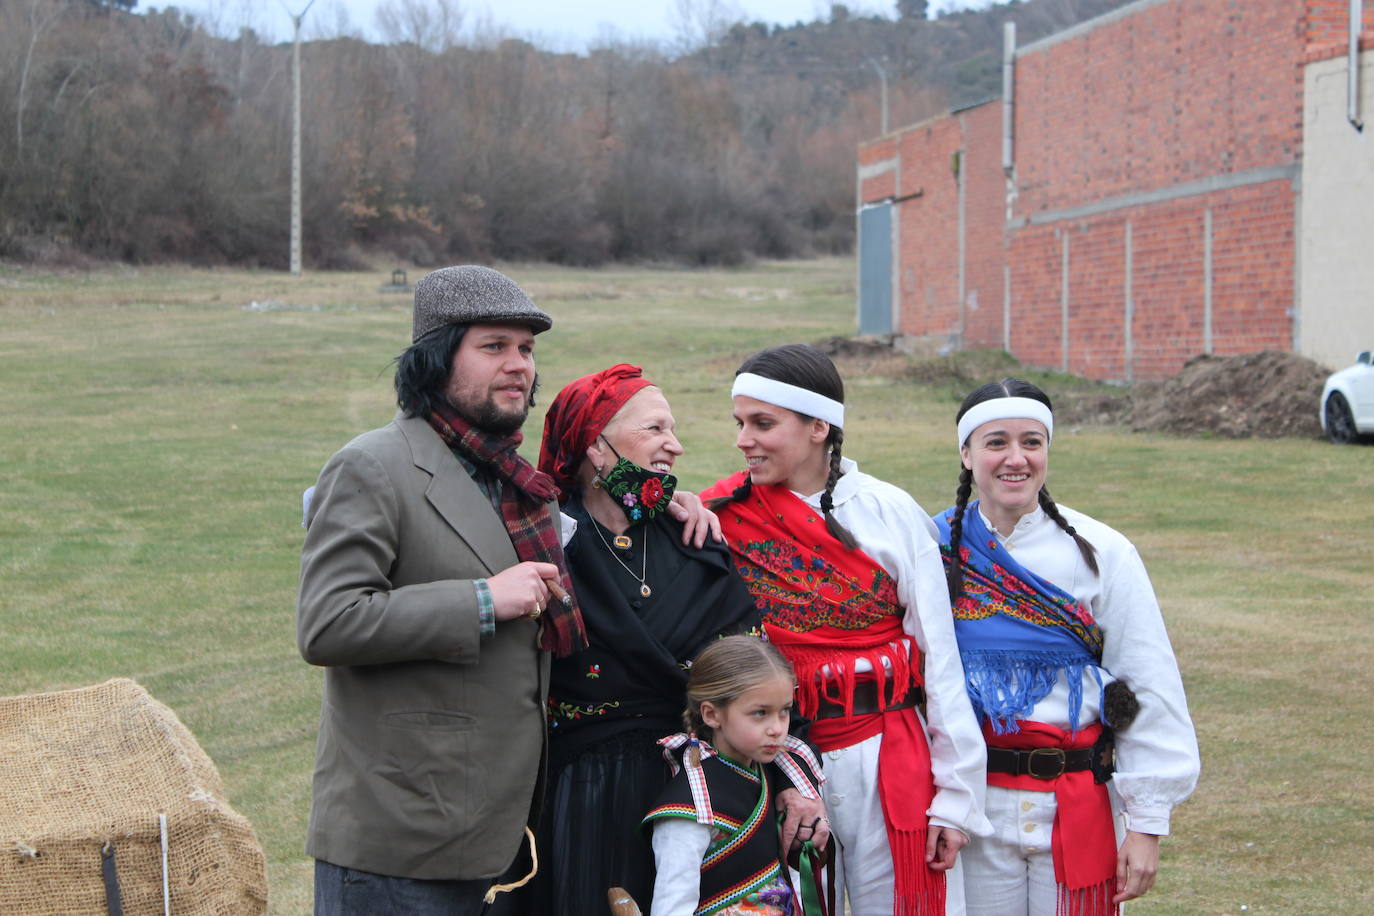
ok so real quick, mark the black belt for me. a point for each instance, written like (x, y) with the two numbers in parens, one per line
(1040, 762)
(866, 702)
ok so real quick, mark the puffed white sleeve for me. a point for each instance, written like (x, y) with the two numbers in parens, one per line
(1157, 755)
(957, 751)
(679, 847)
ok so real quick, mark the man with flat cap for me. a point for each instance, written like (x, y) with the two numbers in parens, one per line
(432, 591)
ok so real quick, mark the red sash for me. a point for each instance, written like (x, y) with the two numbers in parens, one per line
(825, 607)
(1082, 842)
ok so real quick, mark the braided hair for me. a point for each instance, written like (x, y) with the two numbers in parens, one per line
(809, 368)
(1006, 388)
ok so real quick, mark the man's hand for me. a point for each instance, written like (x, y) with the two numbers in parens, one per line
(942, 846)
(802, 819)
(1137, 863)
(520, 591)
(697, 520)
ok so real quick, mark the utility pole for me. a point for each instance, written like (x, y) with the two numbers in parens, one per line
(882, 79)
(296, 142)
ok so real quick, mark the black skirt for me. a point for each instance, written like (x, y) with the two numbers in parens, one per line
(589, 835)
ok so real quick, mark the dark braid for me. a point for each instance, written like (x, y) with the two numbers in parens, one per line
(954, 575)
(835, 440)
(741, 493)
(1084, 547)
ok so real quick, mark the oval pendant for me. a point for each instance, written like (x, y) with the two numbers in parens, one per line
(645, 590)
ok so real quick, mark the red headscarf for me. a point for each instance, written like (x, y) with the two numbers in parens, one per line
(578, 415)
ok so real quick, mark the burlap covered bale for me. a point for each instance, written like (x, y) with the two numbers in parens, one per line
(83, 768)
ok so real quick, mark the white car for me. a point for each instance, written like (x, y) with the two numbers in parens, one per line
(1347, 410)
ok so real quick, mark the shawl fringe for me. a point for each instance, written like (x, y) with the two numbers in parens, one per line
(1005, 685)
(1094, 900)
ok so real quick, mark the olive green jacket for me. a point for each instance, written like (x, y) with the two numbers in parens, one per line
(431, 743)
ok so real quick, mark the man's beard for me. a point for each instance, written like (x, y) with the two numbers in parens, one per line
(488, 416)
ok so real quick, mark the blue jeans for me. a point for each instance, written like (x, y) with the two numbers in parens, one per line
(343, 891)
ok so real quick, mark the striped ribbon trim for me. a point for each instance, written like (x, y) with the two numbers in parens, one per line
(696, 779)
(800, 781)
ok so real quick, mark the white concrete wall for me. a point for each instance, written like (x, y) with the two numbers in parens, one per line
(1336, 247)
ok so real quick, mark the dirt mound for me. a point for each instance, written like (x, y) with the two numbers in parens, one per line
(883, 355)
(856, 347)
(855, 356)
(1087, 408)
(1265, 395)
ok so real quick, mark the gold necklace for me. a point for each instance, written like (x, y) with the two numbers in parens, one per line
(644, 589)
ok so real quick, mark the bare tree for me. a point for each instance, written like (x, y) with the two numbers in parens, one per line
(701, 23)
(432, 25)
(39, 22)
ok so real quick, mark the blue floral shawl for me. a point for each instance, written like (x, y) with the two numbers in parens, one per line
(1017, 632)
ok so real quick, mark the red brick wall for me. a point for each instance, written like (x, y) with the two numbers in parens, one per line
(928, 248)
(985, 192)
(1327, 25)
(1122, 118)
(927, 222)
(1147, 103)
(881, 185)
(1252, 285)
(1168, 94)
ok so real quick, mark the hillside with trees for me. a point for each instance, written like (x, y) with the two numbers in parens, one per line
(148, 137)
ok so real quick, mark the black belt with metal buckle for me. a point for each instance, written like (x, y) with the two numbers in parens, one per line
(1040, 762)
(866, 701)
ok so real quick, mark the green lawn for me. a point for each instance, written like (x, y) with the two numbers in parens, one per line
(156, 431)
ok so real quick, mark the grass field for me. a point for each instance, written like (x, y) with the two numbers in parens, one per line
(157, 427)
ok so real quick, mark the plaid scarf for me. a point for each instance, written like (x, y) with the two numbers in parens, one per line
(525, 496)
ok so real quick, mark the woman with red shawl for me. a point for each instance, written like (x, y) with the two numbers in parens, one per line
(847, 574)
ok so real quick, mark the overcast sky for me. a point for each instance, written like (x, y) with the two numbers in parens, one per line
(567, 25)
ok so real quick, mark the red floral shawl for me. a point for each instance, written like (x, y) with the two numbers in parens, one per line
(825, 607)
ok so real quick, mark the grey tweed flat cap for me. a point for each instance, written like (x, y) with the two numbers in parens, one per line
(471, 294)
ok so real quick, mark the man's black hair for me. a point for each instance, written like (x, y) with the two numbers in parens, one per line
(423, 368)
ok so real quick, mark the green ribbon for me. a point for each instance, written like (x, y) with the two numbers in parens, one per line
(811, 864)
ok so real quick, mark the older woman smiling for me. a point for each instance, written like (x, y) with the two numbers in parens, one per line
(651, 600)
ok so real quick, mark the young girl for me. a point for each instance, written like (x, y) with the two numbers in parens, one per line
(1055, 615)
(847, 575)
(716, 843)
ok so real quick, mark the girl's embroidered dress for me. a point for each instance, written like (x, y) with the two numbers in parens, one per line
(742, 871)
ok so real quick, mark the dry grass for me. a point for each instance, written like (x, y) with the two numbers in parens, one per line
(158, 431)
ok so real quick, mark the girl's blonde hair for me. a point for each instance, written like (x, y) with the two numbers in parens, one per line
(726, 669)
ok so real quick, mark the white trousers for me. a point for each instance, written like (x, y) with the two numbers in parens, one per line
(1011, 872)
(863, 861)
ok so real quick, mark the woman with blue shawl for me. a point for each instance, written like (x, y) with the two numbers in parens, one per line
(1054, 616)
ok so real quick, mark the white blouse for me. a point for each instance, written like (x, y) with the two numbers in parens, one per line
(1157, 756)
(894, 531)
(679, 847)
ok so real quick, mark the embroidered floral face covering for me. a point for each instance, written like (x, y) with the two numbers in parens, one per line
(640, 493)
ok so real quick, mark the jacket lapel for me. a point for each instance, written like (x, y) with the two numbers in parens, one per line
(457, 499)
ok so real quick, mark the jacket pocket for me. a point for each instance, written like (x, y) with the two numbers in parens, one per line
(428, 720)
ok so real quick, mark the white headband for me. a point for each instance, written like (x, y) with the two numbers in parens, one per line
(781, 394)
(1004, 409)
